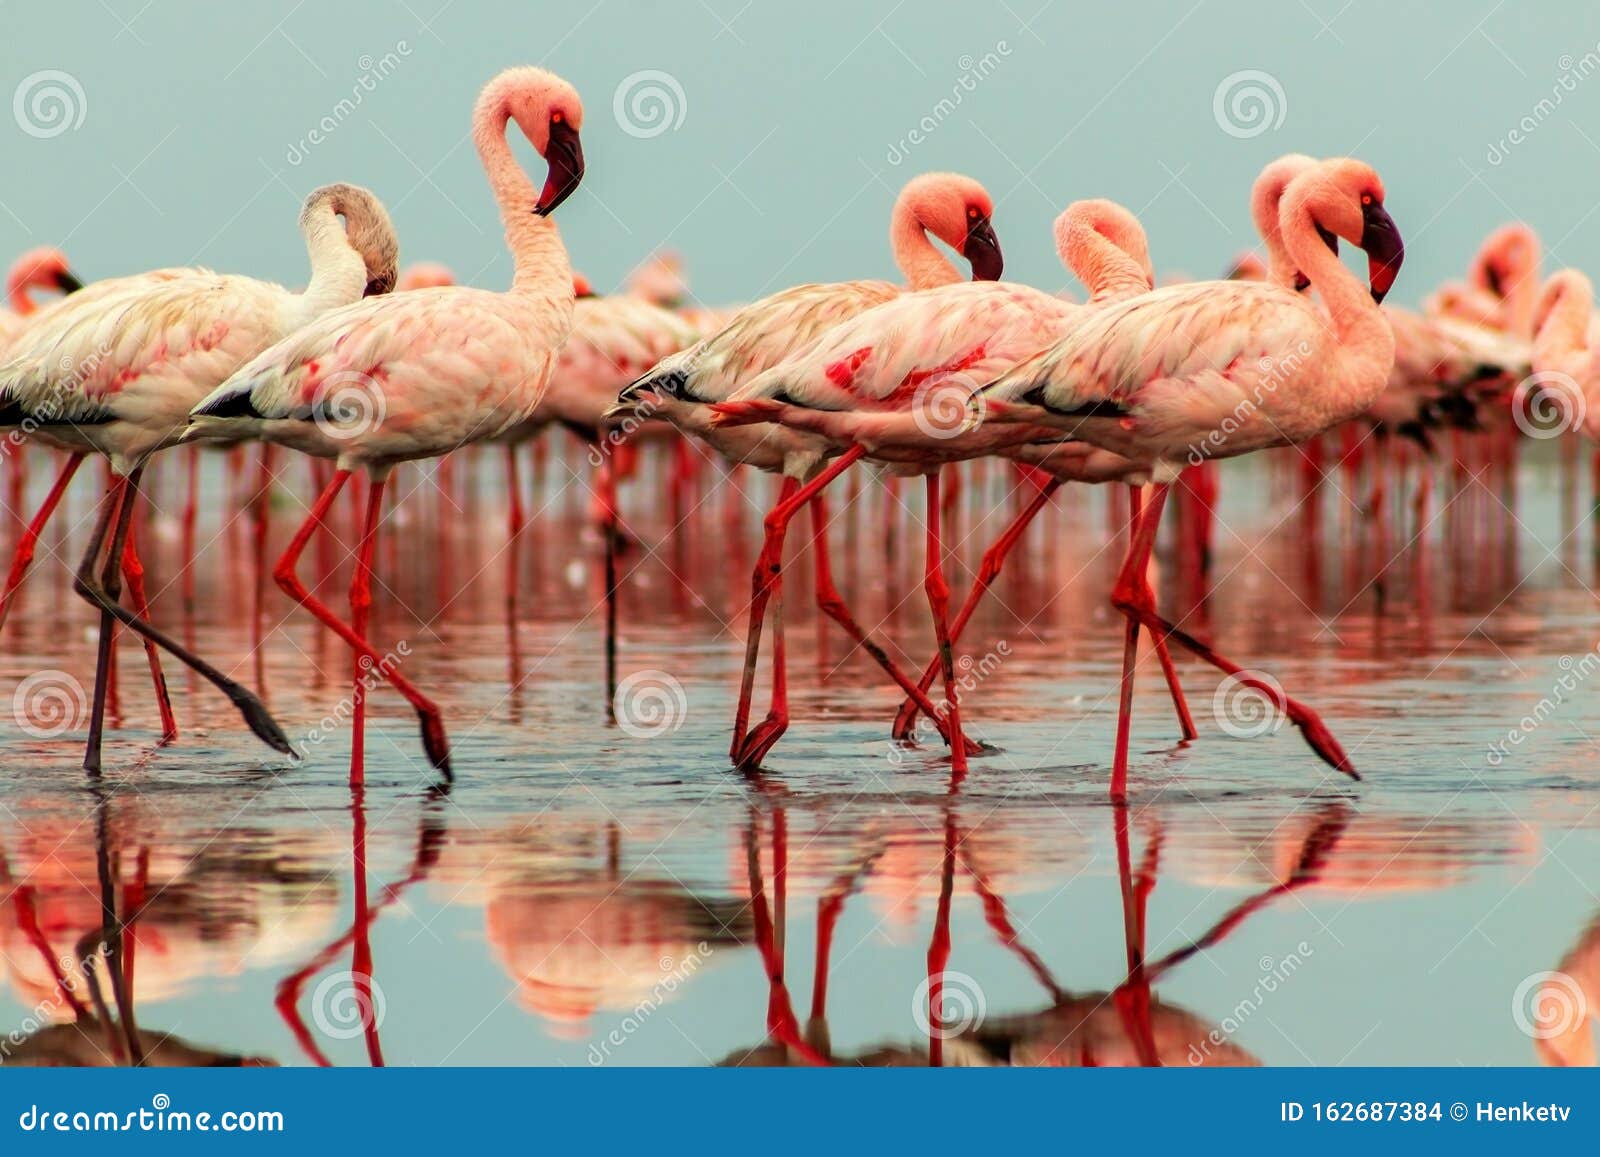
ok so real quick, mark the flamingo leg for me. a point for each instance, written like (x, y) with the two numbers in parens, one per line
(767, 578)
(765, 735)
(360, 606)
(191, 518)
(833, 605)
(988, 571)
(516, 516)
(1133, 597)
(938, 592)
(433, 736)
(22, 558)
(133, 572)
(123, 497)
(110, 513)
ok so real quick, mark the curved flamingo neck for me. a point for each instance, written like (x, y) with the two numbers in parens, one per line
(1264, 209)
(22, 303)
(338, 273)
(1564, 332)
(1355, 316)
(541, 263)
(923, 265)
(1107, 271)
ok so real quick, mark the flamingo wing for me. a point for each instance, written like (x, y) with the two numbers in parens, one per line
(86, 358)
(442, 349)
(884, 356)
(1189, 340)
(759, 336)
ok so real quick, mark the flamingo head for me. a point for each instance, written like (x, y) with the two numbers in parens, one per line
(957, 210)
(426, 275)
(549, 113)
(1561, 317)
(1344, 198)
(367, 229)
(42, 268)
(1507, 256)
(659, 279)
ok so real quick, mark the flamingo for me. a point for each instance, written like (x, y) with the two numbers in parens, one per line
(114, 370)
(954, 208)
(418, 374)
(1502, 286)
(888, 382)
(1566, 361)
(1221, 368)
(43, 268)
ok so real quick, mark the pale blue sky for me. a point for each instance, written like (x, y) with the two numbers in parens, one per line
(780, 170)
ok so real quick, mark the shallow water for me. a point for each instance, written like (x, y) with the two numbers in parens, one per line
(608, 891)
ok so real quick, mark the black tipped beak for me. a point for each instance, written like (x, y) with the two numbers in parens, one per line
(1380, 238)
(982, 251)
(66, 282)
(564, 154)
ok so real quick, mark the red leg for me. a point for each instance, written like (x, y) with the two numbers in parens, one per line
(938, 592)
(769, 573)
(433, 736)
(1132, 596)
(110, 519)
(765, 735)
(26, 545)
(833, 605)
(516, 517)
(191, 518)
(988, 571)
(1168, 671)
(360, 605)
(133, 571)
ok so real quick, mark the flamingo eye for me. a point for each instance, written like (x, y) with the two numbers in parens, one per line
(1366, 198)
(557, 117)
(972, 213)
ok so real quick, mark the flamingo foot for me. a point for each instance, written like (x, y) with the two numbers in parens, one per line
(435, 744)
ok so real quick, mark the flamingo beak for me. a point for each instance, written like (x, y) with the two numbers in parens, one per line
(67, 282)
(564, 154)
(982, 251)
(1380, 238)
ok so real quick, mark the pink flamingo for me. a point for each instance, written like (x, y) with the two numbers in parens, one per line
(1566, 358)
(1502, 286)
(115, 368)
(416, 375)
(1221, 368)
(42, 268)
(892, 384)
(955, 209)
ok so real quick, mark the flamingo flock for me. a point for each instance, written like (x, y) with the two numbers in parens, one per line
(1146, 388)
